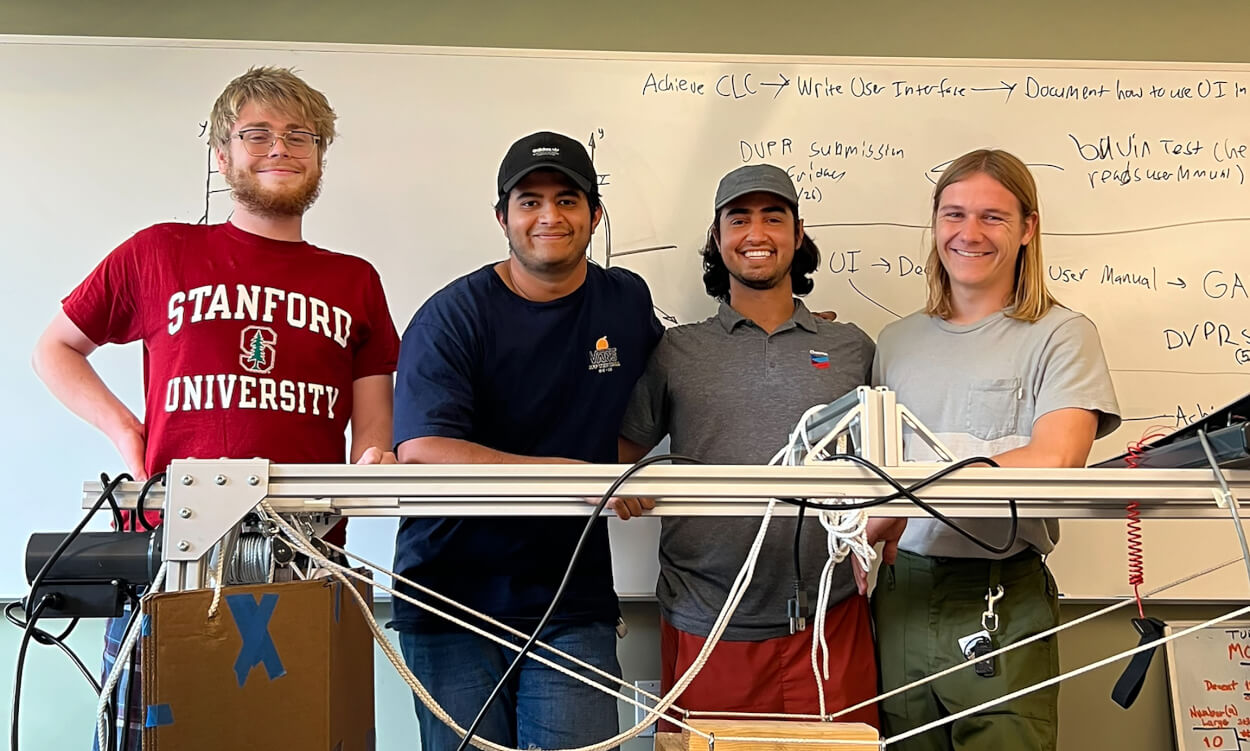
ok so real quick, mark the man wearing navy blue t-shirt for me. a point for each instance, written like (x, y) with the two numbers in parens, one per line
(528, 360)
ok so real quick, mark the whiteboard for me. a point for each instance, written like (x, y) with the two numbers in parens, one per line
(1141, 168)
(1209, 685)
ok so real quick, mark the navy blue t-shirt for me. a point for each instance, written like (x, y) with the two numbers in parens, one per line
(482, 364)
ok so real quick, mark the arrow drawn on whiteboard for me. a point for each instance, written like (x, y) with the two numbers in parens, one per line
(1143, 419)
(930, 175)
(635, 251)
(869, 299)
(1178, 283)
(666, 316)
(780, 86)
(1007, 87)
(1194, 223)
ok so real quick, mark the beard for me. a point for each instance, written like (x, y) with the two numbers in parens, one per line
(270, 203)
(781, 276)
(766, 283)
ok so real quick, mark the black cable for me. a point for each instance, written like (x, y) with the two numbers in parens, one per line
(798, 532)
(141, 517)
(909, 493)
(105, 495)
(118, 523)
(900, 492)
(568, 575)
(797, 606)
(48, 640)
(21, 666)
(41, 636)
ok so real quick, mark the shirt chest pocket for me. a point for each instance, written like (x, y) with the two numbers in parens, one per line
(993, 407)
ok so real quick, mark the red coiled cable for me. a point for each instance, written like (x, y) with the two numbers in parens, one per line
(1136, 563)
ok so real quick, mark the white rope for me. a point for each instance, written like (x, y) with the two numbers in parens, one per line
(119, 665)
(846, 534)
(497, 624)
(1063, 676)
(1123, 603)
(734, 598)
(663, 705)
(736, 592)
(339, 572)
(219, 577)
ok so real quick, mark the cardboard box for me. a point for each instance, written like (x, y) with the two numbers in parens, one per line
(281, 666)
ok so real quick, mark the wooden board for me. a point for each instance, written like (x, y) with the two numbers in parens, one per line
(807, 730)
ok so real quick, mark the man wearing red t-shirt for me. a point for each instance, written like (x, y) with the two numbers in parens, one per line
(255, 343)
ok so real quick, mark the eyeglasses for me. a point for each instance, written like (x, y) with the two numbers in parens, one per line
(258, 141)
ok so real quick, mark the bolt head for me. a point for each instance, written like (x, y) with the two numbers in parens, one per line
(185, 513)
(220, 479)
(184, 546)
(186, 480)
(253, 480)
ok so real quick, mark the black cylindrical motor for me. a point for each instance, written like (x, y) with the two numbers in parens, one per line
(133, 558)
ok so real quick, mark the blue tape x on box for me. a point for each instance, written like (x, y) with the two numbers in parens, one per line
(286, 665)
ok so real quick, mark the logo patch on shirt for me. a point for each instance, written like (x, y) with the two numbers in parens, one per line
(258, 345)
(820, 360)
(603, 357)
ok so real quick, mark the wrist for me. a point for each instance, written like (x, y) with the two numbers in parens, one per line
(120, 426)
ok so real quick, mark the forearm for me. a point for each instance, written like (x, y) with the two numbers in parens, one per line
(439, 450)
(1061, 438)
(363, 439)
(1043, 456)
(372, 412)
(71, 379)
(629, 452)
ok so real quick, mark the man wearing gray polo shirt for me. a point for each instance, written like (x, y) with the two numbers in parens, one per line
(729, 390)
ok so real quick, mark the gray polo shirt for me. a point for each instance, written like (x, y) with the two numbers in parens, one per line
(729, 393)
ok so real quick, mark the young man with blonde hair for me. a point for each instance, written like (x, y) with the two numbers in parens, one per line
(255, 342)
(996, 367)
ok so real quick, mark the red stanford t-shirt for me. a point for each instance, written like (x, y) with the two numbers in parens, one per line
(251, 345)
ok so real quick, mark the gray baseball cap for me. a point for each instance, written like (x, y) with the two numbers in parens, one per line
(755, 178)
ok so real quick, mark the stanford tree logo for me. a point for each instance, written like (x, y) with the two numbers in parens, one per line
(258, 346)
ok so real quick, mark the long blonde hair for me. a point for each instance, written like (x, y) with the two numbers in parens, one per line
(1030, 298)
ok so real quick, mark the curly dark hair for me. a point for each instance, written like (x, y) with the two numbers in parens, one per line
(716, 276)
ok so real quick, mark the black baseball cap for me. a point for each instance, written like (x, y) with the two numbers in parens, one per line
(547, 150)
(755, 178)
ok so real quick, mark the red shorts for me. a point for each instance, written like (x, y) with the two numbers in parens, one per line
(776, 675)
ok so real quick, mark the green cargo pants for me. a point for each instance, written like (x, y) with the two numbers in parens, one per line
(922, 607)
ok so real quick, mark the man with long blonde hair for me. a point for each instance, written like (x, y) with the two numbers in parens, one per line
(255, 342)
(996, 367)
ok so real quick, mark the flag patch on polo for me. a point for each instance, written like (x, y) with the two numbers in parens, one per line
(819, 359)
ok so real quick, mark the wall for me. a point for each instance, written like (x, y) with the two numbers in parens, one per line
(58, 705)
